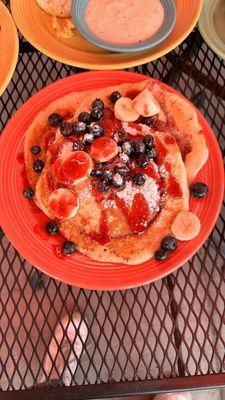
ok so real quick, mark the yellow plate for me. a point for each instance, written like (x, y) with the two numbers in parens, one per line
(9, 47)
(212, 25)
(36, 26)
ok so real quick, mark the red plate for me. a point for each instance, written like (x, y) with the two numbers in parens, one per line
(18, 218)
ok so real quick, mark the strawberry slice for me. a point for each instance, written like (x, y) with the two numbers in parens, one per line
(64, 203)
(73, 167)
(104, 149)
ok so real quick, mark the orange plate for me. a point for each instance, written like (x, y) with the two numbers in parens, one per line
(18, 218)
(36, 26)
(9, 47)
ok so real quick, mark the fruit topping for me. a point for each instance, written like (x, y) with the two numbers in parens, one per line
(35, 150)
(66, 129)
(161, 255)
(52, 228)
(186, 226)
(120, 137)
(84, 117)
(69, 248)
(96, 114)
(124, 158)
(119, 181)
(78, 145)
(28, 193)
(121, 169)
(97, 173)
(151, 154)
(108, 175)
(38, 166)
(127, 148)
(124, 110)
(55, 119)
(199, 190)
(79, 127)
(139, 179)
(96, 129)
(139, 147)
(145, 104)
(169, 243)
(104, 149)
(142, 160)
(98, 103)
(64, 203)
(103, 186)
(88, 139)
(73, 167)
(148, 141)
(115, 96)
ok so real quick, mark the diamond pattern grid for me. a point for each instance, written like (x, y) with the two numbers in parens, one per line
(171, 328)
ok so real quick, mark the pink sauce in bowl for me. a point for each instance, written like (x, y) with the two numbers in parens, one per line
(124, 22)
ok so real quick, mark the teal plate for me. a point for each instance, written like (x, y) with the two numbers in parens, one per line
(78, 17)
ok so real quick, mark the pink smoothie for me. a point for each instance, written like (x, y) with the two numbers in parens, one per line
(124, 21)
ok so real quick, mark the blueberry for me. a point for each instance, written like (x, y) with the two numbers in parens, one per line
(139, 179)
(139, 147)
(28, 193)
(79, 127)
(55, 119)
(150, 121)
(169, 243)
(84, 117)
(35, 150)
(121, 169)
(108, 175)
(148, 141)
(103, 186)
(115, 96)
(98, 103)
(78, 145)
(66, 129)
(142, 160)
(120, 137)
(161, 255)
(69, 247)
(52, 228)
(199, 190)
(151, 154)
(127, 148)
(88, 139)
(124, 158)
(96, 114)
(96, 129)
(38, 166)
(119, 181)
(97, 173)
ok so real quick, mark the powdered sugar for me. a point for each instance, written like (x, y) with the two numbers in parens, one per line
(143, 129)
(109, 204)
(66, 148)
(149, 190)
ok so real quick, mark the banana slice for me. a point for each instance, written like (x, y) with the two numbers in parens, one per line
(73, 167)
(64, 203)
(145, 104)
(104, 149)
(124, 110)
(186, 226)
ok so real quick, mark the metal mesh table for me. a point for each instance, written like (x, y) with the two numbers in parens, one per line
(164, 336)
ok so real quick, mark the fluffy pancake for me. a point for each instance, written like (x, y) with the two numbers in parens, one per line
(177, 134)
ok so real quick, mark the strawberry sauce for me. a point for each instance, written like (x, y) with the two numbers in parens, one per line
(103, 236)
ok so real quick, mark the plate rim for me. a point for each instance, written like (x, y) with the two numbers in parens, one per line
(108, 65)
(15, 55)
(57, 85)
(208, 37)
